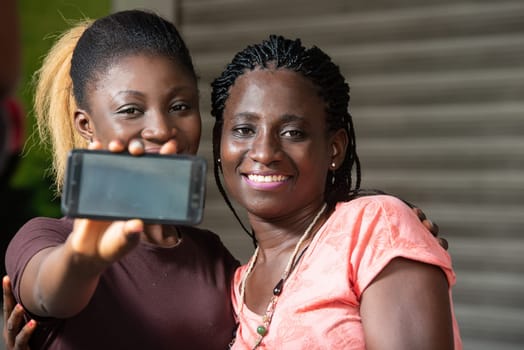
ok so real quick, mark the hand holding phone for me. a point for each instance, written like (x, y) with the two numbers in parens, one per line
(166, 189)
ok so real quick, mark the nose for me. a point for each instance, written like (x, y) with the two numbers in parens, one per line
(159, 128)
(265, 148)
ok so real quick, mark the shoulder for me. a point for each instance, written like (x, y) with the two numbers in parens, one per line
(374, 202)
(46, 226)
(384, 206)
(36, 234)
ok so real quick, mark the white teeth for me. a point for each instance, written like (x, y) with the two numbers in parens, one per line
(270, 178)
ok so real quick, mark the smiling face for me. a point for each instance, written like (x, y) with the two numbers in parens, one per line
(146, 97)
(275, 149)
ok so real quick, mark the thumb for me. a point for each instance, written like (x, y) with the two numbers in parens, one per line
(120, 238)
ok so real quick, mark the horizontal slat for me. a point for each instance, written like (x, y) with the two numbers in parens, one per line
(495, 84)
(480, 287)
(490, 323)
(488, 254)
(460, 186)
(445, 152)
(480, 119)
(407, 17)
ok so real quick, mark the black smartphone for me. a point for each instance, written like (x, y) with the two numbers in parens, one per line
(166, 189)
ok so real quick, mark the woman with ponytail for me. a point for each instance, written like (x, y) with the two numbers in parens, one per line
(124, 81)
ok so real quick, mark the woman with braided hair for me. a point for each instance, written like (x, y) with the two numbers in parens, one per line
(335, 267)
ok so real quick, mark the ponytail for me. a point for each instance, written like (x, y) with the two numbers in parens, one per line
(54, 103)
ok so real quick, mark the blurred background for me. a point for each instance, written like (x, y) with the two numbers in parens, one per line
(437, 96)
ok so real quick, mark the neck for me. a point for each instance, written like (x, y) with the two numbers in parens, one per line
(277, 235)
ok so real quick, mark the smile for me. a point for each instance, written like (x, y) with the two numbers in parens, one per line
(267, 178)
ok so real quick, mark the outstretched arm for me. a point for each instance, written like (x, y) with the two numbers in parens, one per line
(60, 281)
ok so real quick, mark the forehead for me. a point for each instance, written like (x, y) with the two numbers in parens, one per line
(143, 69)
(274, 90)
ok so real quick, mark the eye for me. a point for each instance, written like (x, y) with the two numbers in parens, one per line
(179, 107)
(130, 111)
(293, 133)
(243, 130)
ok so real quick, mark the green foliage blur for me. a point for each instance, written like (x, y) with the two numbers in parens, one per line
(30, 190)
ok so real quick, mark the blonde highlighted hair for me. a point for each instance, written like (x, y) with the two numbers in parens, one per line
(54, 103)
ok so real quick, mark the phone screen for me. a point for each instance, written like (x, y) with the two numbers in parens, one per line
(151, 187)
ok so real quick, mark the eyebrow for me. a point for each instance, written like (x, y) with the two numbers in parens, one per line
(286, 118)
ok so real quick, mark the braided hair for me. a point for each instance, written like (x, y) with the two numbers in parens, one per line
(315, 65)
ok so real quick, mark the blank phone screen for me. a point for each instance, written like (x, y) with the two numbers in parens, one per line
(147, 188)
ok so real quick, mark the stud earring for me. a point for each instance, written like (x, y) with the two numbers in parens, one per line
(333, 165)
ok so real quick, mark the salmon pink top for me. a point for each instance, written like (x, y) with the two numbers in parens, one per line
(320, 301)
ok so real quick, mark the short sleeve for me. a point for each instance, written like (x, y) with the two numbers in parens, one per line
(35, 235)
(389, 229)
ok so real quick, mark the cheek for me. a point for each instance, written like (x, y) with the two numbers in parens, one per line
(191, 131)
(108, 131)
(230, 153)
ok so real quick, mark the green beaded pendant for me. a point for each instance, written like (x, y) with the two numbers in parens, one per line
(261, 330)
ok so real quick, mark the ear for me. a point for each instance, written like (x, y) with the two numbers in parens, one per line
(84, 125)
(339, 143)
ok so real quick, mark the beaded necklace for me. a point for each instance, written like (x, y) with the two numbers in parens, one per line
(277, 290)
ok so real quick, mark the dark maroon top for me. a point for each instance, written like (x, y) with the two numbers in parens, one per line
(153, 298)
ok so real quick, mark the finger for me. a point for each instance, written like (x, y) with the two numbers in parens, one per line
(444, 243)
(95, 145)
(420, 213)
(136, 147)
(13, 324)
(22, 339)
(9, 305)
(9, 300)
(86, 234)
(431, 226)
(116, 146)
(170, 147)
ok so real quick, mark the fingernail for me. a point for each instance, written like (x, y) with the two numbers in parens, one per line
(136, 144)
